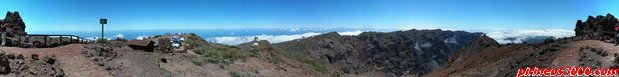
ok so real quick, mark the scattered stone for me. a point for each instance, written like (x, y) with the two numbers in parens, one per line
(11, 56)
(20, 56)
(4, 64)
(50, 60)
(35, 56)
(164, 60)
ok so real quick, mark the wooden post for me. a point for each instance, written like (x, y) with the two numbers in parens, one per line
(61, 42)
(45, 41)
(79, 40)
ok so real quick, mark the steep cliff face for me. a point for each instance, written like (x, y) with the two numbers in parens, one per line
(600, 26)
(412, 52)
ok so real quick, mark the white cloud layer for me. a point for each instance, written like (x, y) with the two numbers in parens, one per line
(352, 33)
(499, 35)
(141, 37)
(120, 36)
(519, 35)
(235, 40)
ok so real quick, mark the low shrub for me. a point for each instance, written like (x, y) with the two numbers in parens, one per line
(217, 54)
(238, 74)
(102, 41)
(317, 65)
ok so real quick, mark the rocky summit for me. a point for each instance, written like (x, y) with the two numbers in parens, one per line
(597, 26)
(16, 24)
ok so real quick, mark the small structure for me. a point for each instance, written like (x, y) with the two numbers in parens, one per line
(255, 41)
(142, 45)
(176, 41)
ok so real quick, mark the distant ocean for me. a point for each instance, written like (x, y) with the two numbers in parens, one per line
(230, 36)
(234, 36)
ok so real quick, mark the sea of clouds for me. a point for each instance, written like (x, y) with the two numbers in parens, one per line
(502, 36)
(528, 35)
(235, 40)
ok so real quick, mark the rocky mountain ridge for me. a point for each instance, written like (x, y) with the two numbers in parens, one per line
(483, 58)
(400, 53)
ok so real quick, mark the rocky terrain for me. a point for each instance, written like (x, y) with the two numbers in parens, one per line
(329, 54)
(411, 52)
(432, 53)
(203, 60)
(13, 65)
(592, 46)
(401, 53)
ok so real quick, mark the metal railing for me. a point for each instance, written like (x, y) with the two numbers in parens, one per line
(70, 39)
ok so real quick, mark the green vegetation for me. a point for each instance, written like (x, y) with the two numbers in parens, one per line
(297, 50)
(222, 66)
(164, 42)
(102, 41)
(195, 41)
(238, 74)
(213, 53)
(254, 53)
(217, 54)
(293, 49)
(317, 65)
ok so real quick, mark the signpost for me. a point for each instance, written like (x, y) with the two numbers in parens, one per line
(102, 21)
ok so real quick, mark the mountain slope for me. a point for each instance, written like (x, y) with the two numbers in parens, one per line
(590, 47)
(412, 52)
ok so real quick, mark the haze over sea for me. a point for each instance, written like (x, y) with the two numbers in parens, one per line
(234, 36)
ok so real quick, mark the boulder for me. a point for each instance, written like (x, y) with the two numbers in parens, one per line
(35, 56)
(4, 64)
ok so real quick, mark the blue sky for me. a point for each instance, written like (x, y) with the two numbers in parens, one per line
(83, 15)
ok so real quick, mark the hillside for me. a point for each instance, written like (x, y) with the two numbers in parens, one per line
(412, 52)
(591, 47)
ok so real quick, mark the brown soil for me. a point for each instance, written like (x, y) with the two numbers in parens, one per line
(73, 63)
(505, 61)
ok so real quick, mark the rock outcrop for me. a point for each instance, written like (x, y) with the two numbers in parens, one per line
(599, 27)
(16, 24)
(4, 64)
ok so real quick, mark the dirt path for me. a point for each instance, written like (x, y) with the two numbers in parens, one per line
(73, 62)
